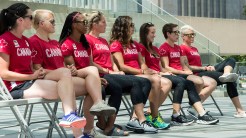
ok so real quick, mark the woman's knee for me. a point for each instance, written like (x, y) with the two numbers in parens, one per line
(92, 70)
(198, 81)
(166, 83)
(156, 80)
(64, 72)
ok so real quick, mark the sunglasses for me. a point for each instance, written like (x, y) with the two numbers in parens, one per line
(84, 22)
(192, 35)
(53, 22)
(175, 32)
(28, 16)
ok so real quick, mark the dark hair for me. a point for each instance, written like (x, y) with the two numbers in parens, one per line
(67, 29)
(168, 28)
(9, 16)
(120, 30)
(143, 33)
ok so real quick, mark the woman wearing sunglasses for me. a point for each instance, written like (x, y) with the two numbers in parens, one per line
(128, 58)
(16, 71)
(47, 55)
(152, 59)
(221, 72)
(118, 82)
(171, 59)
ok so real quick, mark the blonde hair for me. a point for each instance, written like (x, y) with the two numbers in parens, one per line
(38, 15)
(93, 17)
(185, 28)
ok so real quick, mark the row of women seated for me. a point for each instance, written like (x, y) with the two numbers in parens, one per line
(82, 63)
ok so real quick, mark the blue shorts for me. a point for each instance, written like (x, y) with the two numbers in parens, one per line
(18, 91)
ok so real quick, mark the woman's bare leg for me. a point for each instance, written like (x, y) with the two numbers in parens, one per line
(209, 86)
(154, 93)
(199, 84)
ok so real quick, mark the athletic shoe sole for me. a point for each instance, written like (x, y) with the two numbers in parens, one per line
(229, 78)
(80, 123)
(164, 128)
(108, 112)
(207, 123)
(174, 123)
(135, 129)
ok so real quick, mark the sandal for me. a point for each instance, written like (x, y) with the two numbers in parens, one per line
(117, 132)
(115, 125)
(98, 125)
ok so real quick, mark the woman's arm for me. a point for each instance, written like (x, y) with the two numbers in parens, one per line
(185, 64)
(165, 64)
(8, 75)
(119, 61)
(100, 68)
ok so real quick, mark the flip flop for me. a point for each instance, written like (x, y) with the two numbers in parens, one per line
(115, 125)
(117, 132)
(97, 124)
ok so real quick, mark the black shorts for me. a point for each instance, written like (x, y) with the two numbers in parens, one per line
(183, 76)
(18, 91)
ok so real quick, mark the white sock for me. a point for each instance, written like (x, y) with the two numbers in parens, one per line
(202, 113)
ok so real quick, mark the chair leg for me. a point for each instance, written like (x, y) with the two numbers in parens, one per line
(22, 122)
(24, 116)
(127, 104)
(80, 110)
(216, 105)
(50, 131)
(54, 120)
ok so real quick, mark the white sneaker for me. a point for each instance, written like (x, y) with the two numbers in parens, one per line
(102, 109)
(229, 77)
(240, 115)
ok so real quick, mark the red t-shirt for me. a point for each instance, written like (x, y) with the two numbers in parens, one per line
(173, 54)
(80, 55)
(100, 51)
(151, 61)
(192, 55)
(130, 54)
(19, 56)
(48, 54)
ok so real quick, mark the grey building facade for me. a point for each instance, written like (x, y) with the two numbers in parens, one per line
(227, 9)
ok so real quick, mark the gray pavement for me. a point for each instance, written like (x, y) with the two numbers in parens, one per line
(228, 127)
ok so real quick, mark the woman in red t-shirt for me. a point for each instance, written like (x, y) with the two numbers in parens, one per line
(16, 71)
(128, 58)
(171, 59)
(221, 72)
(119, 83)
(152, 59)
(76, 50)
(48, 55)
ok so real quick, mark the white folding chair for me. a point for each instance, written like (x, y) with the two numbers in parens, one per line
(6, 100)
(25, 121)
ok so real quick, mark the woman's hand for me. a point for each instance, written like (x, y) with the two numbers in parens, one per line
(73, 70)
(149, 72)
(38, 74)
(104, 82)
(210, 68)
